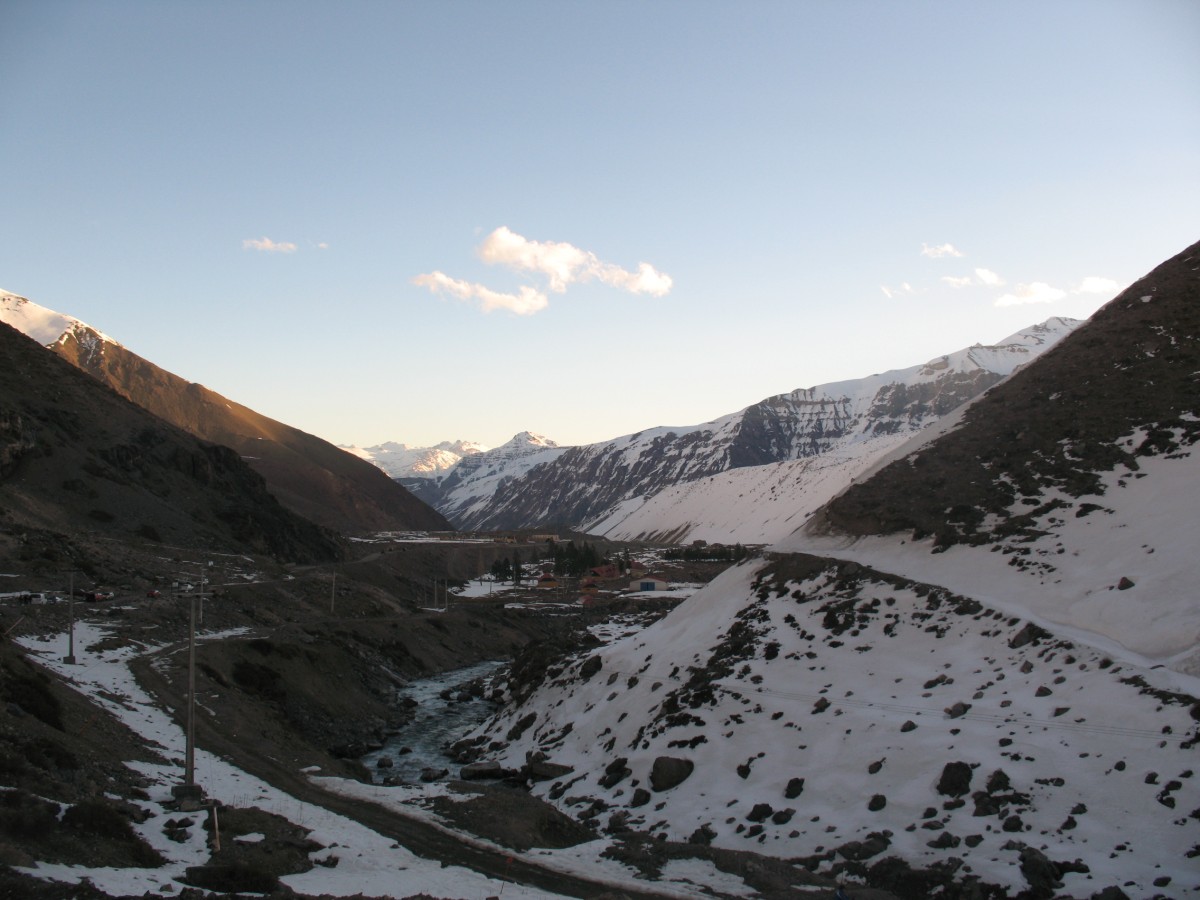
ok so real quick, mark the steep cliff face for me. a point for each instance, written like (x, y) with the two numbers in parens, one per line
(582, 485)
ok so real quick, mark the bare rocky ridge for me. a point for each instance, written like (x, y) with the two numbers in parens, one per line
(309, 476)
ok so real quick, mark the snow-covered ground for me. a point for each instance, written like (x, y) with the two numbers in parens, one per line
(827, 722)
(1069, 579)
(368, 863)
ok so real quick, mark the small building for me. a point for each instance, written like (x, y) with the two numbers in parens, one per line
(547, 580)
(649, 583)
(637, 567)
(608, 570)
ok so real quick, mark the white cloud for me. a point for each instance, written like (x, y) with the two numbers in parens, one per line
(525, 302)
(323, 245)
(940, 250)
(564, 264)
(1036, 292)
(890, 292)
(988, 277)
(1095, 284)
(560, 263)
(267, 245)
(957, 282)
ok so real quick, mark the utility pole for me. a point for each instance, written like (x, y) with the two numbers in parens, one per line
(69, 659)
(189, 794)
(189, 758)
(332, 593)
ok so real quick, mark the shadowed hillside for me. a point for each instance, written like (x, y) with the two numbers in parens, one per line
(309, 476)
(75, 456)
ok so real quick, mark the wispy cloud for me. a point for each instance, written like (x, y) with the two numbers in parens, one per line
(940, 250)
(266, 245)
(1035, 292)
(525, 302)
(560, 264)
(1095, 284)
(1040, 292)
(988, 277)
(902, 290)
(957, 282)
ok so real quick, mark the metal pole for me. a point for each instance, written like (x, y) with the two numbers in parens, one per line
(189, 758)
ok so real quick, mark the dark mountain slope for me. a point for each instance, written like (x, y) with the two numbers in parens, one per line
(1133, 369)
(308, 475)
(77, 457)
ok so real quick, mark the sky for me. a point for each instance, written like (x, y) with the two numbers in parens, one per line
(421, 222)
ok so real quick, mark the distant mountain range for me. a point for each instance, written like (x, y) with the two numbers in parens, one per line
(751, 476)
(402, 462)
(308, 475)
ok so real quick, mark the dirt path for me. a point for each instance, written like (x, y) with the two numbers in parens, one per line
(417, 836)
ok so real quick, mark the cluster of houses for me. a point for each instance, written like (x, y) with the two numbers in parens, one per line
(589, 585)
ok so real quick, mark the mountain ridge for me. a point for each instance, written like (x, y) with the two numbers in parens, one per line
(309, 475)
(600, 487)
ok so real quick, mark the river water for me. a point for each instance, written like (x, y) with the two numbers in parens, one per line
(437, 723)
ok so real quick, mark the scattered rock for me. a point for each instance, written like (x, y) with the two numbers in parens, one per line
(760, 812)
(669, 771)
(955, 780)
(590, 668)
(471, 771)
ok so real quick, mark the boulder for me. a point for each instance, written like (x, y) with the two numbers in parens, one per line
(669, 771)
(543, 770)
(476, 770)
(955, 780)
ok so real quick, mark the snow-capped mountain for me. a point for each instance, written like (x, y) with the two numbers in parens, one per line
(400, 461)
(470, 485)
(708, 481)
(974, 673)
(48, 327)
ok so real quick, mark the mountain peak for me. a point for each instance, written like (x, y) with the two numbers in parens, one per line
(44, 325)
(529, 439)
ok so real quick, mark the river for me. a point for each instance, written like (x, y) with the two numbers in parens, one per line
(437, 723)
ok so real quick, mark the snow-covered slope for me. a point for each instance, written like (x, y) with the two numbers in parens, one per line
(403, 461)
(687, 483)
(835, 713)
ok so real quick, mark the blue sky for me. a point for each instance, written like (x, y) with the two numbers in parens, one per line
(322, 210)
